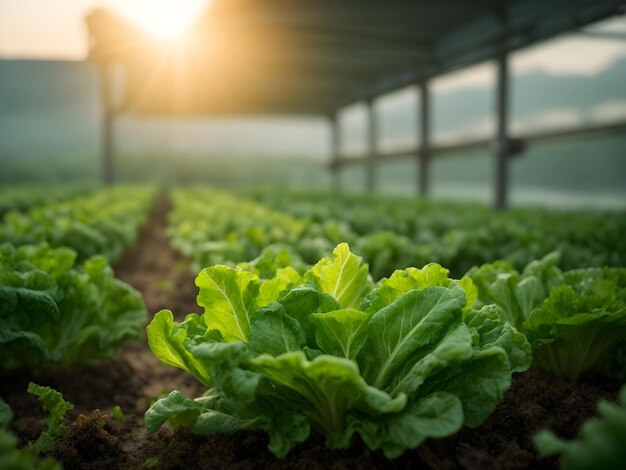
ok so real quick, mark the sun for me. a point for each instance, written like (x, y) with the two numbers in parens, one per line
(164, 19)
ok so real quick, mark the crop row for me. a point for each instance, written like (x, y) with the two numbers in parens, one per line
(301, 334)
(20, 198)
(60, 303)
(102, 223)
(393, 233)
(293, 347)
(213, 227)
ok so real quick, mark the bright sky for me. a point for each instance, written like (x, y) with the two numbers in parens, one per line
(54, 29)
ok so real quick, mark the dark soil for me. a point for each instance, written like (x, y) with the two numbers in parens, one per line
(535, 401)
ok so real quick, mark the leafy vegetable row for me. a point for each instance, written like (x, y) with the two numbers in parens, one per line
(213, 227)
(274, 338)
(60, 304)
(399, 232)
(59, 313)
(103, 223)
(22, 198)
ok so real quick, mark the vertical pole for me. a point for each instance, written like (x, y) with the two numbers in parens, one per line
(335, 151)
(372, 143)
(424, 139)
(502, 137)
(108, 116)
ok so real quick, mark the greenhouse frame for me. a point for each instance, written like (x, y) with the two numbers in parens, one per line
(316, 57)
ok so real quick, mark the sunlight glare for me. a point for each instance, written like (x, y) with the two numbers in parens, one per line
(165, 19)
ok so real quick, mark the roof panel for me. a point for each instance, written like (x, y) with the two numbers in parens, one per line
(314, 56)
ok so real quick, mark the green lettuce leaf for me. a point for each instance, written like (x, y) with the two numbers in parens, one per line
(6, 415)
(345, 278)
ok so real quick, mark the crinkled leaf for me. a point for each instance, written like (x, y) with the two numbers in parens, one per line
(493, 332)
(453, 348)
(331, 385)
(578, 324)
(271, 289)
(345, 277)
(389, 290)
(287, 430)
(226, 362)
(57, 408)
(301, 302)
(480, 383)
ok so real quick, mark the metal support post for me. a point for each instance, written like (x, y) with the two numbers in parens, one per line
(372, 147)
(335, 151)
(424, 151)
(108, 120)
(502, 136)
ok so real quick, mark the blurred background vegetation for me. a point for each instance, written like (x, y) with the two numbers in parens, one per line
(50, 129)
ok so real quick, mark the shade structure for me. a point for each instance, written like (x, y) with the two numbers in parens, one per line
(312, 57)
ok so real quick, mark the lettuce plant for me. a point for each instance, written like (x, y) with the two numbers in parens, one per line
(572, 319)
(601, 442)
(580, 322)
(53, 313)
(331, 352)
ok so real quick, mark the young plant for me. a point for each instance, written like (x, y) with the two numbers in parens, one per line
(27, 458)
(57, 408)
(332, 353)
(53, 313)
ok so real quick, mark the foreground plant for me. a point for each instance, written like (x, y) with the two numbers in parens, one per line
(330, 352)
(27, 458)
(573, 319)
(601, 441)
(53, 313)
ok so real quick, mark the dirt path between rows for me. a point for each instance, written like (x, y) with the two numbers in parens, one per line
(165, 280)
(132, 379)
